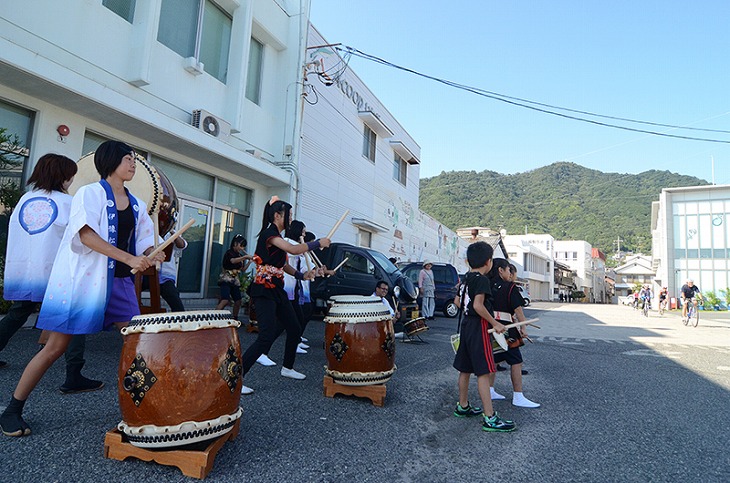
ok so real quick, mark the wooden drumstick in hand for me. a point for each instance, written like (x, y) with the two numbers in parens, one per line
(306, 258)
(337, 225)
(164, 244)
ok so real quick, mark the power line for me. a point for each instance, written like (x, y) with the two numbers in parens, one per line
(544, 107)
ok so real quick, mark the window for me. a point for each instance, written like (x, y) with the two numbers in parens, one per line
(365, 238)
(368, 143)
(16, 121)
(199, 29)
(400, 169)
(357, 263)
(255, 69)
(123, 8)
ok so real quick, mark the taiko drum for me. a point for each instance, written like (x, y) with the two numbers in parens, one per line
(179, 378)
(359, 341)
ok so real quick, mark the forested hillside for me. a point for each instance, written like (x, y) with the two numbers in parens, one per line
(565, 200)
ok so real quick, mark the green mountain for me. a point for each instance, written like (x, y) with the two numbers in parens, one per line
(565, 200)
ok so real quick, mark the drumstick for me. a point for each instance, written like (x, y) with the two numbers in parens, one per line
(535, 326)
(530, 340)
(156, 225)
(172, 238)
(306, 259)
(337, 225)
(315, 259)
(516, 324)
(340, 265)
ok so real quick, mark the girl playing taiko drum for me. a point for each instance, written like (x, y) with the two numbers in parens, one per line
(90, 288)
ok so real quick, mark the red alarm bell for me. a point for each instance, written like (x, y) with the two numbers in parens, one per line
(63, 130)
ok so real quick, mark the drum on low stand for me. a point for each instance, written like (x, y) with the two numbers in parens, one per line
(359, 341)
(179, 378)
(415, 326)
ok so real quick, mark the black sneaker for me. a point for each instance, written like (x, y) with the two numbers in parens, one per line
(3, 363)
(495, 424)
(466, 412)
(80, 384)
(500, 367)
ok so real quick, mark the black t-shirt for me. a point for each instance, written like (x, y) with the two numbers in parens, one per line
(506, 296)
(125, 224)
(689, 292)
(476, 284)
(270, 255)
(228, 264)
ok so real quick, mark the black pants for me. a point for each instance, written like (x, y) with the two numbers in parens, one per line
(16, 317)
(171, 294)
(273, 318)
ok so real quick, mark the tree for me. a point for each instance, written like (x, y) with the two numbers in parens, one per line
(11, 157)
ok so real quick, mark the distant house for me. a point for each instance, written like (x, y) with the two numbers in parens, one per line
(636, 269)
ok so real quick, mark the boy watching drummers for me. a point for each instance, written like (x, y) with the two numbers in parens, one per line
(474, 354)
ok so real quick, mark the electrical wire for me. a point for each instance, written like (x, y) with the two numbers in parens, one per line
(544, 107)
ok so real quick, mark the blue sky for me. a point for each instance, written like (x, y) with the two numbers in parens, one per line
(661, 61)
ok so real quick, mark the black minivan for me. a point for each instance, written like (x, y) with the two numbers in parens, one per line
(446, 278)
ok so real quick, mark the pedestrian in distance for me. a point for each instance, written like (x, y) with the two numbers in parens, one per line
(427, 288)
(235, 260)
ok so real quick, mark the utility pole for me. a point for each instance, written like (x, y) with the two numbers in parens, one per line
(618, 247)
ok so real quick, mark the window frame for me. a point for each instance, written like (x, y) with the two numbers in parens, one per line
(199, 33)
(369, 142)
(258, 85)
(400, 169)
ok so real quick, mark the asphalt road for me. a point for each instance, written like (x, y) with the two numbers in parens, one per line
(624, 398)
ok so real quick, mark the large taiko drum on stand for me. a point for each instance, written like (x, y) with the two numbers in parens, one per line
(179, 378)
(359, 341)
(149, 184)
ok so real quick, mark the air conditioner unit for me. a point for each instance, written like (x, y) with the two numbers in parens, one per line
(210, 124)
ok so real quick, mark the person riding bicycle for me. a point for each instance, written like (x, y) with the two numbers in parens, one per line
(636, 299)
(645, 295)
(689, 292)
(663, 297)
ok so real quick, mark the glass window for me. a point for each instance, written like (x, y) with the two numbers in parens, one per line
(357, 263)
(234, 196)
(187, 181)
(17, 124)
(193, 28)
(400, 169)
(215, 41)
(225, 225)
(178, 27)
(123, 8)
(368, 143)
(255, 70)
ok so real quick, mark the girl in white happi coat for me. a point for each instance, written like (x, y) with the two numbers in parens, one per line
(35, 232)
(90, 287)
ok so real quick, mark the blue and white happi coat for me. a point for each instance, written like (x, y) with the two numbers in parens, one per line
(34, 235)
(80, 282)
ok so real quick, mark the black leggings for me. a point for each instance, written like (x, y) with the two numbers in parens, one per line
(272, 316)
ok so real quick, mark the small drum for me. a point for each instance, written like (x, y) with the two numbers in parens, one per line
(179, 378)
(149, 184)
(359, 341)
(415, 326)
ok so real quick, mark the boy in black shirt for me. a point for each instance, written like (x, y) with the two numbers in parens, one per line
(474, 354)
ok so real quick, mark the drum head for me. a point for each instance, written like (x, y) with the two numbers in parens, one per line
(145, 185)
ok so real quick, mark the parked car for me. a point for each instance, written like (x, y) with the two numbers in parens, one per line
(364, 267)
(627, 299)
(446, 279)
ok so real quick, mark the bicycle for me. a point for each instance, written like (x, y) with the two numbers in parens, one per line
(662, 307)
(645, 309)
(693, 314)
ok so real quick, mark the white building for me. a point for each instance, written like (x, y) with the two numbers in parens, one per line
(356, 156)
(636, 269)
(691, 237)
(74, 73)
(532, 254)
(577, 254)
